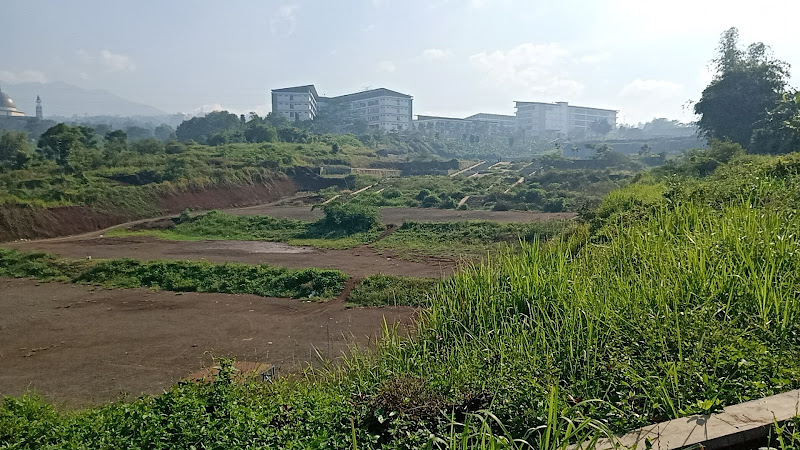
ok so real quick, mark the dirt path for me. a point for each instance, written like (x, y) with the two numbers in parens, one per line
(80, 345)
(357, 262)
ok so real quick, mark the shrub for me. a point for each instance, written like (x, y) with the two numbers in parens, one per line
(380, 290)
(349, 218)
(430, 201)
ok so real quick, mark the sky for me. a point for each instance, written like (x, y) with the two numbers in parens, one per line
(455, 57)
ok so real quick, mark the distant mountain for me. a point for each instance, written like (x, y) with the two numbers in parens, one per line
(66, 100)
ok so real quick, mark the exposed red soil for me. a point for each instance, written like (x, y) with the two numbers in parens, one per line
(357, 262)
(399, 215)
(80, 345)
(227, 196)
(21, 222)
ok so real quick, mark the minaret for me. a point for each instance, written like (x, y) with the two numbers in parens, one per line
(38, 108)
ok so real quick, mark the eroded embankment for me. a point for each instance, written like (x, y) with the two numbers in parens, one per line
(27, 222)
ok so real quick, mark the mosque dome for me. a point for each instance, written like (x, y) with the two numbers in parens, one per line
(6, 102)
(7, 106)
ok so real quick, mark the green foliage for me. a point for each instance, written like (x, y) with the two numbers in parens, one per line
(380, 290)
(180, 276)
(218, 225)
(183, 276)
(41, 266)
(779, 132)
(348, 218)
(470, 239)
(748, 84)
(60, 140)
(200, 129)
(15, 150)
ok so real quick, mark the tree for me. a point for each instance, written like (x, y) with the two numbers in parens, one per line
(136, 133)
(116, 142)
(149, 146)
(58, 141)
(747, 85)
(164, 132)
(600, 127)
(201, 128)
(15, 150)
(780, 131)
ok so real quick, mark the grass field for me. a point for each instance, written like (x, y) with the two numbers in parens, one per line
(469, 240)
(380, 290)
(679, 299)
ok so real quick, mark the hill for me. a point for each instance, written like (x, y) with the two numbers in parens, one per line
(66, 100)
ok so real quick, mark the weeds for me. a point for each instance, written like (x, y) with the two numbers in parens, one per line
(179, 276)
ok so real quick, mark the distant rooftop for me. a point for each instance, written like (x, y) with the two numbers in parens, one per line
(302, 89)
(518, 103)
(490, 116)
(422, 117)
(380, 92)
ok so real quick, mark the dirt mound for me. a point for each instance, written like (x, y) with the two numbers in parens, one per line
(227, 196)
(25, 222)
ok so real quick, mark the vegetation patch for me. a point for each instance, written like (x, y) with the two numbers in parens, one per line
(382, 290)
(344, 226)
(470, 239)
(179, 276)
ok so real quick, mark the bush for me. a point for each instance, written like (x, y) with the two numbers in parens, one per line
(180, 276)
(349, 218)
(431, 201)
(380, 290)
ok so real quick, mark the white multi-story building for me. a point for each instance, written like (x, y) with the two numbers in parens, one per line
(482, 123)
(296, 103)
(560, 118)
(379, 108)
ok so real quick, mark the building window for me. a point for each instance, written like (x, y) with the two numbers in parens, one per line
(291, 97)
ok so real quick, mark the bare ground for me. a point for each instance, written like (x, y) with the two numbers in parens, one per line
(357, 262)
(80, 345)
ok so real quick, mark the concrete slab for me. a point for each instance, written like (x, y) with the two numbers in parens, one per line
(735, 425)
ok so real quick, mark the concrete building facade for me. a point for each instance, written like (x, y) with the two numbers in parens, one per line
(482, 124)
(296, 103)
(560, 118)
(379, 108)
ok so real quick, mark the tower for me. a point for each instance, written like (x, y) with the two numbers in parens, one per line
(38, 108)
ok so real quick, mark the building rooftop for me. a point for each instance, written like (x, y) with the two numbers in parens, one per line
(518, 103)
(423, 117)
(303, 89)
(380, 92)
(491, 116)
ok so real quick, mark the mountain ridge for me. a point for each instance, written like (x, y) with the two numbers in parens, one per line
(63, 99)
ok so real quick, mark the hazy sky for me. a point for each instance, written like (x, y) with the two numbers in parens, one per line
(456, 57)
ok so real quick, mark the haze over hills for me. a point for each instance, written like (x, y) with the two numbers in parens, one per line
(63, 99)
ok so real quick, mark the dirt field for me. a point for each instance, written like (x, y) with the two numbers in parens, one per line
(80, 345)
(398, 215)
(357, 262)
